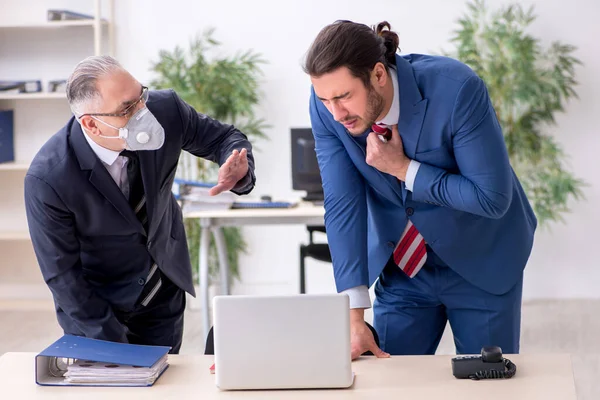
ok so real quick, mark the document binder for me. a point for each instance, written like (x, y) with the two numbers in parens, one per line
(7, 146)
(79, 361)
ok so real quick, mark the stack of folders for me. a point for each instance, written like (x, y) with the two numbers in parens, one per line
(79, 361)
(194, 196)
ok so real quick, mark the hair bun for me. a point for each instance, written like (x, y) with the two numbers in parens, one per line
(380, 28)
(390, 39)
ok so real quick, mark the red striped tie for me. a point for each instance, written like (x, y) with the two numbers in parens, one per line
(410, 252)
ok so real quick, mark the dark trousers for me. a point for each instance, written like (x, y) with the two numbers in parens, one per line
(160, 322)
(410, 314)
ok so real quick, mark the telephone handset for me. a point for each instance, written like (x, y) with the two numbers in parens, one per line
(489, 365)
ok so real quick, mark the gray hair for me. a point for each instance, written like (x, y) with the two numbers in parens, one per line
(81, 85)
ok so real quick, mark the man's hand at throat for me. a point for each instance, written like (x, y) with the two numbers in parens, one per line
(387, 156)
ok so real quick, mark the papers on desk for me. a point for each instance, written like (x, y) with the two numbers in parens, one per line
(193, 196)
(101, 373)
(253, 204)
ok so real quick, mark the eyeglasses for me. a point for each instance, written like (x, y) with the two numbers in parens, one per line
(124, 113)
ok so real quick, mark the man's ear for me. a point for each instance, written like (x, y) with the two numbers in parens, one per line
(379, 75)
(89, 124)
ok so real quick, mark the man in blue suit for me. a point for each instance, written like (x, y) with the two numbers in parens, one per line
(106, 229)
(419, 195)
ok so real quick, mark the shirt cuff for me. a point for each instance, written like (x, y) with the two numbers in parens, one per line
(411, 174)
(359, 297)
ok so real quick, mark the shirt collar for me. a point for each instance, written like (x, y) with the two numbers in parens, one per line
(393, 115)
(105, 155)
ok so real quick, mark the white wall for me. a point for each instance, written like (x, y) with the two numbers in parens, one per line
(563, 262)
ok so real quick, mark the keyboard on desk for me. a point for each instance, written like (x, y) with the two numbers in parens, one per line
(262, 204)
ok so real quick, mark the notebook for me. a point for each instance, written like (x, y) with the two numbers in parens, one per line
(79, 361)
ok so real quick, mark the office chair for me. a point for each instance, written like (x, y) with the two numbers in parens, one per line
(318, 251)
(209, 348)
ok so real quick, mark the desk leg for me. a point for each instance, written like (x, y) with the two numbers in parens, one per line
(223, 259)
(203, 277)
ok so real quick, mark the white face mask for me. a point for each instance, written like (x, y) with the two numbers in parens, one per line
(142, 131)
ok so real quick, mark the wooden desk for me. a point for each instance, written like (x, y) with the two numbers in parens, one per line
(539, 376)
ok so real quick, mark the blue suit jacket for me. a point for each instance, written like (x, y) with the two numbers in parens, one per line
(466, 200)
(93, 252)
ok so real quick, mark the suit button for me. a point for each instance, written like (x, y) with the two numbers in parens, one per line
(390, 244)
(141, 281)
(410, 211)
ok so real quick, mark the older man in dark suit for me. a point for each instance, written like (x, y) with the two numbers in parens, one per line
(106, 229)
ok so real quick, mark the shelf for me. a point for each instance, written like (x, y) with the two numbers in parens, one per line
(52, 24)
(33, 96)
(14, 166)
(17, 235)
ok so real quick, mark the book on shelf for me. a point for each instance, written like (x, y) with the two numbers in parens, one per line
(7, 146)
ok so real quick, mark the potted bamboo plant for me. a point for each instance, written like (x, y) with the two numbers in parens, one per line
(224, 88)
(528, 85)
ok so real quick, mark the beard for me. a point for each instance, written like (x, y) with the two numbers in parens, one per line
(375, 104)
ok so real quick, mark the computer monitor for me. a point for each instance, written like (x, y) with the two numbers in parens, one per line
(305, 168)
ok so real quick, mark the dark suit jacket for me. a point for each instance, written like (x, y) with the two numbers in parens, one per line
(93, 252)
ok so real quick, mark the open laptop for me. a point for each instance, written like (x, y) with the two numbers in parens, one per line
(282, 342)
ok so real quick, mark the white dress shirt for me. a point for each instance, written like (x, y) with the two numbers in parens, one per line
(115, 164)
(359, 295)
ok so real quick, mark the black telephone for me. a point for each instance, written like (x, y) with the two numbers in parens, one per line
(489, 365)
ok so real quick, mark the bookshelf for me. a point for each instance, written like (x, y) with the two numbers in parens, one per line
(33, 96)
(14, 166)
(52, 24)
(38, 50)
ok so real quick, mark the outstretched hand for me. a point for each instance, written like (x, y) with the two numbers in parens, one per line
(230, 173)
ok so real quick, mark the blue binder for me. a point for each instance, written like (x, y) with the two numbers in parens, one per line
(7, 147)
(51, 365)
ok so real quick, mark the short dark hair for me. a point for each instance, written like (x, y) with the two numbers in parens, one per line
(352, 45)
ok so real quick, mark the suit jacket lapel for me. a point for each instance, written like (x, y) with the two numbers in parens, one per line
(412, 109)
(99, 176)
(389, 186)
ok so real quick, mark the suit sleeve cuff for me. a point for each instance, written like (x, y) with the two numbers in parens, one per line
(244, 185)
(411, 174)
(359, 297)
